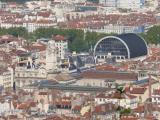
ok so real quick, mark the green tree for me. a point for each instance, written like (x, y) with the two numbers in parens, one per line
(153, 35)
(125, 111)
(92, 38)
(17, 31)
(3, 31)
(120, 89)
(78, 45)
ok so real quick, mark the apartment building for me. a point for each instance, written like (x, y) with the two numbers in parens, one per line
(56, 51)
(6, 77)
(125, 4)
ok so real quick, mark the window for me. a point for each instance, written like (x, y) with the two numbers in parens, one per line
(35, 74)
(111, 45)
(18, 75)
(93, 84)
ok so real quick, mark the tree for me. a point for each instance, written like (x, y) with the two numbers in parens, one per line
(17, 31)
(153, 35)
(120, 89)
(92, 38)
(125, 111)
(77, 39)
(78, 45)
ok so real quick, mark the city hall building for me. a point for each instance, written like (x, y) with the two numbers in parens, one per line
(121, 47)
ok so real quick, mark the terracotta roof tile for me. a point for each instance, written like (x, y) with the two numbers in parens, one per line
(77, 107)
(109, 75)
(106, 68)
(104, 108)
(43, 93)
(23, 106)
(63, 103)
(44, 14)
(156, 92)
(59, 38)
(139, 109)
(135, 90)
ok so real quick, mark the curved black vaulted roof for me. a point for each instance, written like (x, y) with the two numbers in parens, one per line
(137, 45)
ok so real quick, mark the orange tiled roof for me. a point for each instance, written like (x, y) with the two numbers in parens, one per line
(43, 93)
(139, 109)
(59, 38)
(135, 90)
(104, 108)
(77, 107)
(23, 106)
(109, 75)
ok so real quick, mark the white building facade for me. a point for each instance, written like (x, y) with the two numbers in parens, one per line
(130, 4)
(118, 29)
(109, 3)
(55, 52)
(124, 4)
(6, 78)
(156, 96)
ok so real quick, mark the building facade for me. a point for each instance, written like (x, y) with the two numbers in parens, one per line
(124, 4)
(6, 78)
(109, 3)
(118, 29)
(156, 96)
(56, 50)
(130, 4)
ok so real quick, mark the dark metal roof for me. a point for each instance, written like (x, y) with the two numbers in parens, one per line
(135, 43)
(138, 82)
(73, 60)
(75, 88)
(89, 60)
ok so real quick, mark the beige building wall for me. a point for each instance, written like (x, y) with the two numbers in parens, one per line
(6, 79)
(92, 82)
